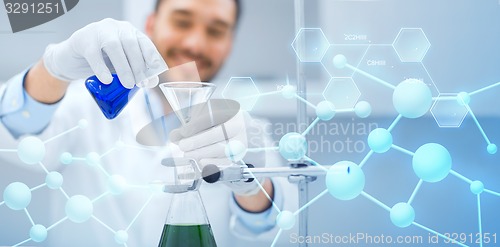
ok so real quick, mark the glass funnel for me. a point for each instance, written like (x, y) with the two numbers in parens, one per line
(187, 223)
(182, 96)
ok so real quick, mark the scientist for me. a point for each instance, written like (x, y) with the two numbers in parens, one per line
(50, 98)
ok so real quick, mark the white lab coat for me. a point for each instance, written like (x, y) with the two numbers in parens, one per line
(137, 164)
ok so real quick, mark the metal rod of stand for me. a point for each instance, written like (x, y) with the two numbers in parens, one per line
(283, 171)
(301, 121)
(304, 215)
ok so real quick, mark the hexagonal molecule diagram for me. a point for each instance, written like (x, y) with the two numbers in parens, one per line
(243, 90)
(411, 44)
(310, 44)
(342, 92)
(448, 111)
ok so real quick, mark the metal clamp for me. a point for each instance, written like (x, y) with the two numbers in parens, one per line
(192, 176)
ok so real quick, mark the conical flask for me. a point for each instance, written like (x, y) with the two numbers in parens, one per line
(187, 223)
(111, 98)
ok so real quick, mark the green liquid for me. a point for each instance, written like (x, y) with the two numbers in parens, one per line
(187, 235)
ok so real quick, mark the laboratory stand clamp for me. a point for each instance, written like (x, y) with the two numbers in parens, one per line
(188, 175)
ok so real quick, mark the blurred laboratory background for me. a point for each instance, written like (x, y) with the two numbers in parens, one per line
(462, 55)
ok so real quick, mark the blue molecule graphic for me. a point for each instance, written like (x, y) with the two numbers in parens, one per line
(66, 158)
(38, 233)
(339, 61)
(93, 159)
(380, 140)
(363, 109)
(288, 91)
(17, 196)
(463, 98)
(345, 180)
(117, 184)
(432, 162)
(412, 98)
(325, 110)
(121, 237)
(79, 208)
(235, 150)
(293, 146)
(477, 187)
(402, 214)
(54, 180)
(285, 220)
(492, 148)
(31, 150)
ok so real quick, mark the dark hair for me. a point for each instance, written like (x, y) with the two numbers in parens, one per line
(237, 2)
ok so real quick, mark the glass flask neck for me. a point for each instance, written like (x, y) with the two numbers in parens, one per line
(187, 209)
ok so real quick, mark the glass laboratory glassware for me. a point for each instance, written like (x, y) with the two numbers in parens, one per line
(111, 98)
(187, 223)
(184, 96)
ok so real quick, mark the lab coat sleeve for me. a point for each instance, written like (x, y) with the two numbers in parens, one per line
(19, 112)
(246, 223)
(22, 116)
(262, 226)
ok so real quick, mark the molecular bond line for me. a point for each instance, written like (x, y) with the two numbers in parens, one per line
(411, 98)
(463, 98)
(348, 185)
(345, 180)
(78, 208)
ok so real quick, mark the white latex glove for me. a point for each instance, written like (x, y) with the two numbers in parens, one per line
(222, 143)
(102, 45)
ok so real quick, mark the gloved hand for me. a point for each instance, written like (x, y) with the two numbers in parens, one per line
(221, 136)
(102, 45)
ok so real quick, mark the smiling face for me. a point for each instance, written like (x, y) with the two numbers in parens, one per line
(194, 30)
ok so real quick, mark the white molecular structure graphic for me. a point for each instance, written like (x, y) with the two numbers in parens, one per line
(412, 98)
(78, 208)
(345, 180)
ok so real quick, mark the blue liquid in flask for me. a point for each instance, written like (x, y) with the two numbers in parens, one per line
(111, 98)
